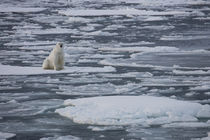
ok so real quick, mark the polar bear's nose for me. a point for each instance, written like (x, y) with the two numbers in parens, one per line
(61, 45)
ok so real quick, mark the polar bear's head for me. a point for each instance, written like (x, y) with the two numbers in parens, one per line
(59, 46)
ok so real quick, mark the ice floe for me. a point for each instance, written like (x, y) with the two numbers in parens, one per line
(189, 124)
(5, 135)
(93, 12)
(68, 137)
(52, 31)
(27, 108)
(141, 49)
(126, 110)
(18, 70)
(6, 9)
(200, 88)
(165, 3)
(104, 128)
(183, 37)
(155, 18)
(194, 72)
(99, 89)
(157, 27)
(31, 43)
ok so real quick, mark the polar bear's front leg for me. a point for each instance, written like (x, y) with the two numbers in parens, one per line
(56, 63)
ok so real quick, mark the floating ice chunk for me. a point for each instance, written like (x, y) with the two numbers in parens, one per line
(115, 62)
(203, 111)
(207, 93)
(155, 18)
(117, 12)
(97, 56)
(6, 9)
(190, 68)
(194, 72)
(53, 31)
(15, 108)
(31, 43)
(200, 88)
(141, 49)
(79, 19)
(166, 3)
(104, 128)
(202, 18)
(17, 70)
(136, 43)
(204, 138)
(4, 135)
(165, 81)
(183, 37)
(68, 137)
(114, 27)
(188, 124)
(157, 27)
(137, 75)
(99, 89)
(126, 110)
(100, 33)
(206, 101)
(189, 94)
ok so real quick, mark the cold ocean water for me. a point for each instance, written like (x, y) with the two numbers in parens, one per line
(128, 48)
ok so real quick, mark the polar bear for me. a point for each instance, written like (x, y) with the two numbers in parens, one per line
(56, 58)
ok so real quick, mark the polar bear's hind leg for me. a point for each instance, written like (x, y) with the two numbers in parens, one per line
(46, 64)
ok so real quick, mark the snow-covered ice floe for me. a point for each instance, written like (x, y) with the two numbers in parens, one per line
(4, 135)
(194, 72)
(6, 9)
(117, 12)
(18, 70)
(68, 137)
(128, 110)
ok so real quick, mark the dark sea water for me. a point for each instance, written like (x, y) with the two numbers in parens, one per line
(157, 48)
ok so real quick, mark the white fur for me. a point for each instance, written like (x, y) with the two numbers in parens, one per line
(56, 58)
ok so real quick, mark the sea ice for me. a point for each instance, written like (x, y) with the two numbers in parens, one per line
(18, 70)
(68, 137)
(104, 128)
(4, 135)
(188, 124)
(127, 110)
(99, 89)
(6, 9)
(117, 12)
(194, 72)
(183, 37)
(141, 49)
